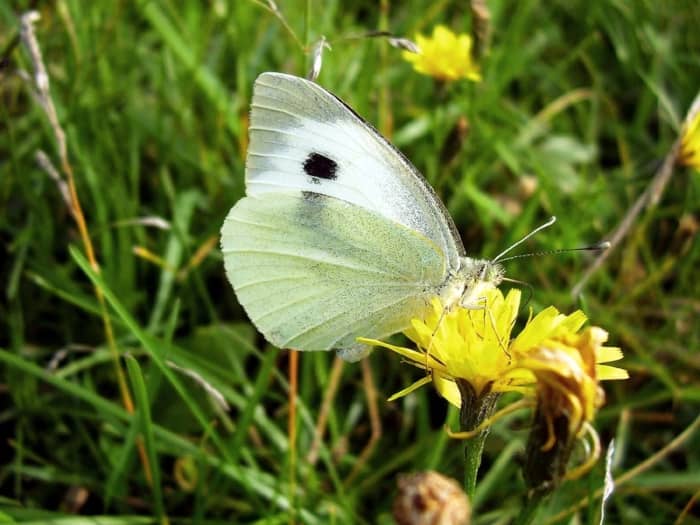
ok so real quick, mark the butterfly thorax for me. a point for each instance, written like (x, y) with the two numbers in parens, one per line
(466, 286)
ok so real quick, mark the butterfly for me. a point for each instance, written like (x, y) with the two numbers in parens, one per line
(338, 235)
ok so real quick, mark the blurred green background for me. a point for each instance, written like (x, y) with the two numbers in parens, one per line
(579, 104)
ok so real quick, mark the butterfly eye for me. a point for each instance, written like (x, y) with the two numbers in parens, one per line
(484, 271)
(319, 166)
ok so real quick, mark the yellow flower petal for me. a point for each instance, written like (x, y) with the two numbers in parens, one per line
(607, 354)
(606, 372)
(412, 355)
(448, 389)
(413, 386)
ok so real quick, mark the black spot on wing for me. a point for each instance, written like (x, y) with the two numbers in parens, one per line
(319, 166)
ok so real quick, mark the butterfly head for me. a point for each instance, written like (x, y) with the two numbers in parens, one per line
(479, 275)
(467, 285)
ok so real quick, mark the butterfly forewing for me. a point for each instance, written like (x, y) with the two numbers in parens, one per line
(304, 138)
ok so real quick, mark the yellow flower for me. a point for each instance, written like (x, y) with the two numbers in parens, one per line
(468, 344)
(445, 56)
(690, 140)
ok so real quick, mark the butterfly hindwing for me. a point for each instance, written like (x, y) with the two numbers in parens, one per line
(314, 272)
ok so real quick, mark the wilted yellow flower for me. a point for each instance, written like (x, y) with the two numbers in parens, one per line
(690, 140)
(568, 393)
(445, 56)
(567, 371)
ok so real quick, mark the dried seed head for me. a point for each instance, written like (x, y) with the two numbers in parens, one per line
(429, 498)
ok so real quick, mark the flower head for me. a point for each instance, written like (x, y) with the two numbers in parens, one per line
(445, 56)
(468, 344)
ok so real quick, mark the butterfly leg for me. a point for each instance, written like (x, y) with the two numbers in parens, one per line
(481, 304)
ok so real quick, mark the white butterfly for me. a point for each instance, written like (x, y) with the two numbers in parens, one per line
(338, 236)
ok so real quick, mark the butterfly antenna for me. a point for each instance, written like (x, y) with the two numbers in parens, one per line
(592, 248)
(547, 224)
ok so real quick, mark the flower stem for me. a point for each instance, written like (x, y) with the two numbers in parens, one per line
(474, 410)
(473, 449)
(529, 512)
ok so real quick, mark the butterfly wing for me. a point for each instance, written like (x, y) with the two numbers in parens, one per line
(314, 272)
(304, 138)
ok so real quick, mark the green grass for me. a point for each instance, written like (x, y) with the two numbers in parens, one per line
(583, 98)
